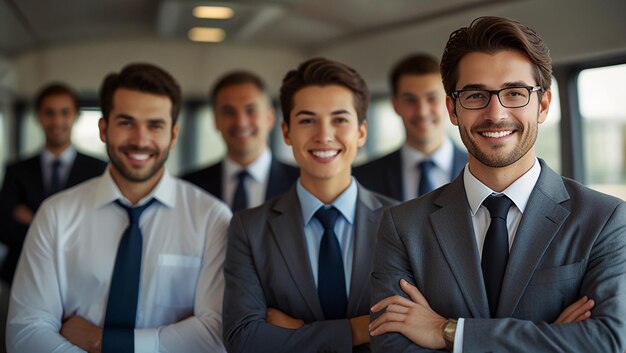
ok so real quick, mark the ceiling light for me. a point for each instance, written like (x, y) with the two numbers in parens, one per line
(206, 34)
(213, 12)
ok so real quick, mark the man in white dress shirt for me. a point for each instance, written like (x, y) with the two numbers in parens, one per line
(67, 275)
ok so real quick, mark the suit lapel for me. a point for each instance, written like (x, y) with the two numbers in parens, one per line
(288, 230)
(453, 229)
(365, 229)
(542, 219)
(34, 179)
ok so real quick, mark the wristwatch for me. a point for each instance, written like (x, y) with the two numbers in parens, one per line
(449, 330)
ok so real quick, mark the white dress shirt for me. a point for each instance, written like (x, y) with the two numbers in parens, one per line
(440, 174)
(68, 257)
(256, 183)
(67, 161)
(476, 192)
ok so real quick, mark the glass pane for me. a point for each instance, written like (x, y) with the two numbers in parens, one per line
(86, 135)
(602, 97)
(548, 146)
(210, 146)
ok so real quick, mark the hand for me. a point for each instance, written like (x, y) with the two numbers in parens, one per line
(280, 319)
(412, 318)
(82, 334)
(23, 214)
(360, 330)
(578, 311)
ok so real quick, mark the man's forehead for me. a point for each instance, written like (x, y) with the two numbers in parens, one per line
(496, 69)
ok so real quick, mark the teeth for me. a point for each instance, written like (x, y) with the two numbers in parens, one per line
(244, 133)
(498, 134)
(325, 154)
(140, 157)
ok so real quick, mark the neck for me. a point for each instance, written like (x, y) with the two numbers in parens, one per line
(326, 190)
(57, 150)
(244, 159)
(426, 147)
(132, 190)
(498, 179)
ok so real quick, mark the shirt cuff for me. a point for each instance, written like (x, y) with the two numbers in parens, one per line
(458, 336)
(146, 340)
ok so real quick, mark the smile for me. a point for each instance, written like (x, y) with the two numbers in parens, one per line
(496, 134)
(325, 154)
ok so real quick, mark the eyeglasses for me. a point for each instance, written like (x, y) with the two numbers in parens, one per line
(510, 97)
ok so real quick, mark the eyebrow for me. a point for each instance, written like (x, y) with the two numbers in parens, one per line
(504, 85)
(150, 120)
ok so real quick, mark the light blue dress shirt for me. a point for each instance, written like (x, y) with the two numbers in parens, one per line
(344, 227)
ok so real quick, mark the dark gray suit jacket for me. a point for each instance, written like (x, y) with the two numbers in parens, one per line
(384, 175)
(571, 242)
(267, 265)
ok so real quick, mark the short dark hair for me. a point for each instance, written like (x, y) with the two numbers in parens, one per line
(489, 35)
(414, 64)
(144, 78)
(323, 72)
(55, 89)
(238, 77)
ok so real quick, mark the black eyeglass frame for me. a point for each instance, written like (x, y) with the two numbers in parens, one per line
(531, 89)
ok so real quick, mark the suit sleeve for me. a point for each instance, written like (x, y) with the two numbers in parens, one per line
(391, 264)
(605, 331)
(9, 199)
(245, 310)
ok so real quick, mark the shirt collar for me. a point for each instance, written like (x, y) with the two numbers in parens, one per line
(258, 170)
(442, 157)
(519, 192)
(107, 191)
(345, 203)
(66, 157)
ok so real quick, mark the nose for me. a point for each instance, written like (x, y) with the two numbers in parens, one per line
(325, 131)
(139, 136)
(241, 119)
(421, 109)
(495, 110)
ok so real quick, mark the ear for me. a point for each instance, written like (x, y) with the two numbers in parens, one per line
(450, 104)
(285, 130)
(362, 134)
(174, 135)
(544, 106)
(102, 126)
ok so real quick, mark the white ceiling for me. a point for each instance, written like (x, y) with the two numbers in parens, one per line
(304, 25)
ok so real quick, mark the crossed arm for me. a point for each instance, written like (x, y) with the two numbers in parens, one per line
(416, 320)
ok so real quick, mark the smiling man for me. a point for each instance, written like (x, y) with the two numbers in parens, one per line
(499, 259)
(297, 267)
(58, 166)
(428, 159)
(130, 261)
(249, 174)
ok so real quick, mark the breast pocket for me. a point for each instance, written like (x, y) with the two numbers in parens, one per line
(557, 274)
(177, 279)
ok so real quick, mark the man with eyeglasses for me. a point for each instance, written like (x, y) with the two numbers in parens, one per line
(510, 256)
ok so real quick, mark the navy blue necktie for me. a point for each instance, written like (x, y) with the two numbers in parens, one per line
(331, 280)
(495, 249)
(425, 185)
(55, 178)
(240, 198)
(119, 322)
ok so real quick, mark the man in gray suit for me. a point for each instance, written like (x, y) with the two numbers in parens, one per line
(441, 258)
(295, 283)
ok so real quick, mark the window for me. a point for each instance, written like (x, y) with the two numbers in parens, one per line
(548, 145)
(601, 99)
